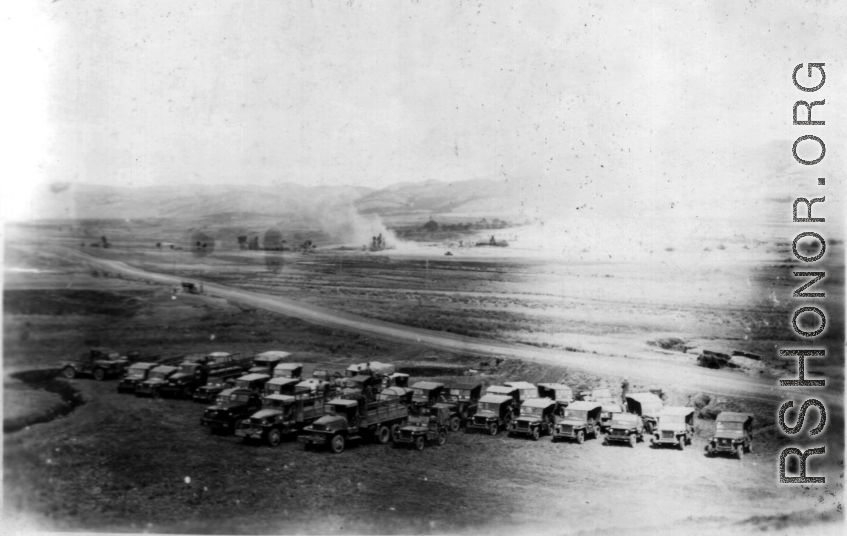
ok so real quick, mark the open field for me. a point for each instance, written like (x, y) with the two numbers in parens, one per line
(117, 462)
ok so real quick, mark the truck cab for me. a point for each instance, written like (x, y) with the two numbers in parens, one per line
(676, 427)
(562, 394)
(461, 399)
(402, 394)
(265, 362)
(507, 391)
(214, 385)
(288, 370)
(314, 387)
(537, 418)
(253, 382)
(578, 420)
(231, 407)
(733, 434)
(100, 362)
(360, 385)
(526, 390)
(157, 378)
(425, 394)
(493, 413)
(609, 409)
(280, 386)
(625, 428)
(425, 427)
(136, 374)
(647, 406)
(183, 382)
(281, 415)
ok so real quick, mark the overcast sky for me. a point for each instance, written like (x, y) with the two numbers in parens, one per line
(647, 95)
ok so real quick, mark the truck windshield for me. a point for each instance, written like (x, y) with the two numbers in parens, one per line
(729, 426)
(135, 372)
(242, 384)
(336, 409)
(577, 414)
(623, 420)
(188, 368)
(221, 400)
(532, 411)
(283, 373)
(421, 392)
(459, 393)
(490, 407)
(215, 382)
(239, 397)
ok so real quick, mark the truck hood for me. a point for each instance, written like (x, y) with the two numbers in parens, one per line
(266, 413)
(673, 427)
(179, 377)
(730, 434)
(415, 428)
(234, 405)
(330, 422)
(154, 381)
(529, 419)
(571, 422)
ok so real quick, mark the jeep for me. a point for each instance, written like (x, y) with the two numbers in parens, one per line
(526, 390)
(155, 380)
(493, 412)
(425, 395)
(606, 414)
(136, 374)
(647, 406)
(537, 418)
(462, 400)
(511, 392)
(578, 420)
(427, 426)
(99, 362)
(733, 434)
(231, 407)
(676, 427)
(625, 428)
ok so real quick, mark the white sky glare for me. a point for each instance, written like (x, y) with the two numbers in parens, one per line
(375, 93)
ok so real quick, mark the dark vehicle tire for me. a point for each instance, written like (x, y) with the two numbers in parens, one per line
(632, 441)
(492, 429)
(383, 435)
(395, 429)
(455, 424)
(536, 433)
(442, 438)
(648, 428)
(99, 374)
(336, 444)
(69, 373)
(580, 437)
(419, 443)
(681, 443)
(739, 451)
(274, 438)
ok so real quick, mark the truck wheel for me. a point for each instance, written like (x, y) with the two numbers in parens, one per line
(632, 440)
(337, 444)
(99, 374)
(442, 438)
(739, 451)
(395, 430)
(492, 428)
(454, 424)
(274, 438)
(580, 437)
(69, 373)
(383, 434)
(750, 447)
(648, 428)
(535, 434)
(419, 443)
(681, 443)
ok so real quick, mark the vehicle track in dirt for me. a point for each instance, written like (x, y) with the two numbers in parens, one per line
(681, 376)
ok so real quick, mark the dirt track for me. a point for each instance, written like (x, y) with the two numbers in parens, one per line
(681, 375)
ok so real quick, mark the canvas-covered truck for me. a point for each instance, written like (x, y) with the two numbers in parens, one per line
(494, 412)
(733, 434)
(196, 373)
(361, 384)
(425, 394)
(512, 392)
(135, 374)
(155, 380)
(231, 407)
(281, 415)
(281, 386)
(562, 394)
(423, 428)
(101, 363)
(209, 392)
(625, 428)
(676, 427)
(349, 419)
(314, 387)
(647, 406)
(578, 421)
(253, 382)
(403, 394)
(288, 370)
(537, 418)
(264, 363)
(462, 400)
(526, 390)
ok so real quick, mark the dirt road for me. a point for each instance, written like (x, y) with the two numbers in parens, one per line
(682, 375)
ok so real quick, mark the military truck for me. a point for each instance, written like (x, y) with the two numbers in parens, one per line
(676, 427)
(493, 413)
(562, 394)
(288, 370)
(361, 384)
(281, 386)
(195, 373)
(314, 387)
(425, 394)
(424, 427)
(537, 417)
(136, 373)
(352, 418)
(231, 407)
(507, 391)
(625, 428)
(733, 435)
(647, 406)
(155, 380)
(281, 415)
(578, 421)
(101, 363)
(265, 362)
(526, 390)
(403, 394)
(461, 399)
(214, 385)
(253, 382)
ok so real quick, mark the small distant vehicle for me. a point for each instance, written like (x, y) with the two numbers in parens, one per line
(265, 362)
(192, 288)
(214, 385)
(647, 406)
(281, 415)
(101, 363)
(676, 427)
(493, 413)
(288, 370)
(606, 414)
(625, 428)
(231, 407)
(425, 395)
(136, 374)
(156, 379)
(512, 392)
(253, 382)
(538, 416)
(462, 400)
(562, 394)
(281, 386)
(578, 421)
(425, 427)
(733, 435)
